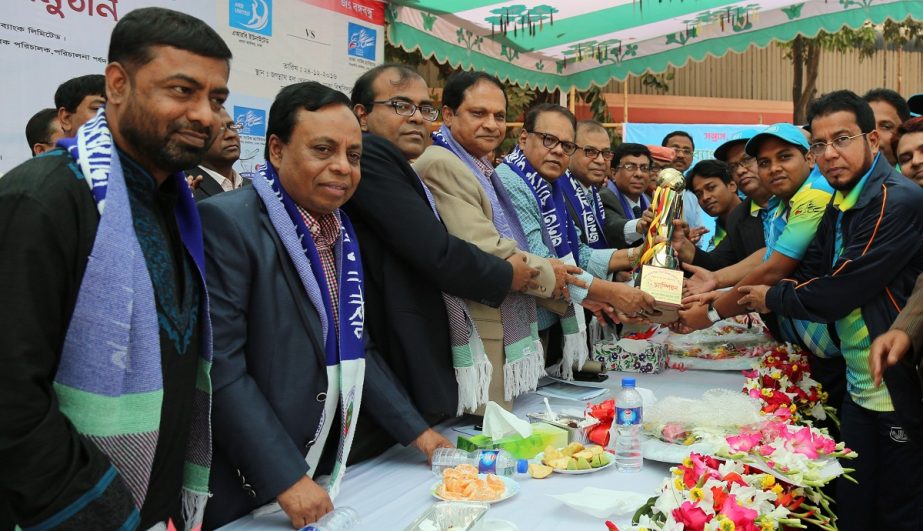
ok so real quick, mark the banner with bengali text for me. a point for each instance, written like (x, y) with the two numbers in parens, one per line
(275, 43)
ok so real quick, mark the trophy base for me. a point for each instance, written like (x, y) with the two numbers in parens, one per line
(666, 314)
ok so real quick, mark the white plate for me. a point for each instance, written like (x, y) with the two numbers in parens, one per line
(512, 488)
(538, 459)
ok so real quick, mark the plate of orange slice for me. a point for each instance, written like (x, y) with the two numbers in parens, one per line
(463, 483)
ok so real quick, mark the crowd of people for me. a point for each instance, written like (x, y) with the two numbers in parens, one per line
(175, 333)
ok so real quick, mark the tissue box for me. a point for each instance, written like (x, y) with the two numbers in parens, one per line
(519, 447)
(631, 355)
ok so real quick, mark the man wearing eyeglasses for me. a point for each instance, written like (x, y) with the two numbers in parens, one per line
(701, 225)
(586, 174)
(216, 173)
(411, 261)
(623, 199)
(857, 275)
(534, 176)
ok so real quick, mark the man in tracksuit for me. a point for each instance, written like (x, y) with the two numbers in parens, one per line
(856, 276)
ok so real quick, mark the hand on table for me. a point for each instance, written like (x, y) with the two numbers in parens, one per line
(523, 274)
(754, 298)
(305, 502)
(886, 351)
(428, 441)
(701, 281)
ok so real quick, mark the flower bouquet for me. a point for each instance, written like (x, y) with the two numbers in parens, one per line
(800, 455)
(707, 493)
(782, 383)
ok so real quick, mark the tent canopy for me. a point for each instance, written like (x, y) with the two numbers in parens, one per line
(559, 44)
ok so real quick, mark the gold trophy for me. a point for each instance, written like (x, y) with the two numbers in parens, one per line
(658, 271)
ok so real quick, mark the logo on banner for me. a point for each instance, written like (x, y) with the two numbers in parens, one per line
(250, 122)
(361, 41)
(251, 15)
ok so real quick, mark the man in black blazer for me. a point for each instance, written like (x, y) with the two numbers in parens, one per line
(275, 430)
(624, 202)
(216, 173)
(409, 257)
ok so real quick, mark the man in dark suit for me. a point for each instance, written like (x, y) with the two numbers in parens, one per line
(216, 173)
(292, 362)
(623, 198)
(409, 257)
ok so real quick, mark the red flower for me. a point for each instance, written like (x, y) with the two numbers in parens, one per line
(691, 516)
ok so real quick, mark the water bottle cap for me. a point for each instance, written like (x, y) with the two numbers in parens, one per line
(522, 466)
(628, 383)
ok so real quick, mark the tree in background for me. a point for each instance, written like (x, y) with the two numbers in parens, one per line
(804, 52)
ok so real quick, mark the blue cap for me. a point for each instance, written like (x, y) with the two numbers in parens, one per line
(740, 137)
(628, 382)
(522, 466)
(783, 131)
(915, 103)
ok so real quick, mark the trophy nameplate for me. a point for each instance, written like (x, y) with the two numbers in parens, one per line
(666, 287)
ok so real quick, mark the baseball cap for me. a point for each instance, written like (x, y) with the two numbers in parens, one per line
(661, 153)
(783, 131)
(721, 153)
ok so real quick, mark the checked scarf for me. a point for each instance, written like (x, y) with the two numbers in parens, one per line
(524, 359)
(589, 209)
(560, 236)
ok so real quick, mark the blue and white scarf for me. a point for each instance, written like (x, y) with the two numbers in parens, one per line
(589, 209)
(560, 236)
(111, 357)
(524, 358)
(344, 355)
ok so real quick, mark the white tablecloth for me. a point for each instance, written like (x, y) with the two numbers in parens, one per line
(392, 490)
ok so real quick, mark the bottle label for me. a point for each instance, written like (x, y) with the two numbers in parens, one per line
(628, 415)
(487, 461)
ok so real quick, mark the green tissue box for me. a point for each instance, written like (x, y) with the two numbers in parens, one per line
(521, 448)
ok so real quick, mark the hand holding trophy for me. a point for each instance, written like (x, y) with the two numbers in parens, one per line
(658, 270)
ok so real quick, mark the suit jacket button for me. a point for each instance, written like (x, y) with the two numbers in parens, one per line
(321, 397)
(542, 289)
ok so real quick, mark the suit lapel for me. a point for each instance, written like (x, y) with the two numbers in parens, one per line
(209, 185)
(306, 310)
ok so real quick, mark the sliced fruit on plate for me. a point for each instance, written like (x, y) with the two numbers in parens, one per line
(538, 471)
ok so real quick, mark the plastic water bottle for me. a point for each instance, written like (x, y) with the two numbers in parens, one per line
(499, 462)
(340, 519)
(627, 427)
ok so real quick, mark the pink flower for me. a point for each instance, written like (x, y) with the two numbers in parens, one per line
(691, 516)
(802, 443)
(742, 517)
(743, 442)
(765, 450)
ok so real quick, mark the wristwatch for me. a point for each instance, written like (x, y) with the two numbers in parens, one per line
(712, 313)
